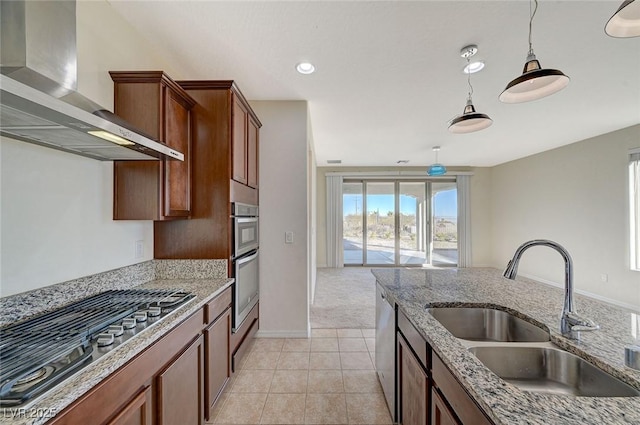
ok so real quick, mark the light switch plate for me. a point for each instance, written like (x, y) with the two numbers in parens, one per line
(288, 237)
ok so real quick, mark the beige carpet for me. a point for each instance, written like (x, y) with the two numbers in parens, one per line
(345, 298)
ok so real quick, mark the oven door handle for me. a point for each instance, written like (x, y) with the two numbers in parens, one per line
(246, 259)
(246, 219)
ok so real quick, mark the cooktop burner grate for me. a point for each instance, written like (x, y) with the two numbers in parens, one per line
(39, 352)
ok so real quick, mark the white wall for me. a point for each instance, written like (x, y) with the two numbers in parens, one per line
(284, 274)
(576, 195)
(56, 210)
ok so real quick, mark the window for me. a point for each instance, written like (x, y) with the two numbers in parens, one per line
(634, 211)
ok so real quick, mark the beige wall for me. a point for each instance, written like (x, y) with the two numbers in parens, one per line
(576, 195)
(57, 207)
(284, 203)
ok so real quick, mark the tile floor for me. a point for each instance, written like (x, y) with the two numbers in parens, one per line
(326, 379)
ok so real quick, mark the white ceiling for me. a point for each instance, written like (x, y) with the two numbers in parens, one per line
(389, 75)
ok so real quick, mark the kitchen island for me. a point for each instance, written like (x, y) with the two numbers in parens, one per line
(412, 290)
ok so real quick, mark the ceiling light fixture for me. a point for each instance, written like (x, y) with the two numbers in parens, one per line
(470, 120)
(535, 82)
(626, 21)
(473, 67)
(436, 169)
(305, 68)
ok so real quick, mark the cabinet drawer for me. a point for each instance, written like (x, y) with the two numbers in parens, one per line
(217, 306)
(415, 340)
(464, 407)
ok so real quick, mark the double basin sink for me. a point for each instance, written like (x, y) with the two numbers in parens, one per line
(522, 354)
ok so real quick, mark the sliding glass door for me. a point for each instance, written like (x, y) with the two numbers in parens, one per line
(399, 223)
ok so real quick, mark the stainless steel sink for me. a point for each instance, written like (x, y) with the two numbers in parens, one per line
(550, 370)
(487, 324)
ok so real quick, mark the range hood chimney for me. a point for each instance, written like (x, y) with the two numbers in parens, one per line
(38, 83)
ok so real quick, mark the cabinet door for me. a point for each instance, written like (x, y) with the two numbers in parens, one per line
(136, 412)
(440, 413)
(239, 143)
(177, 174)
(252, 154)
(414, 395)
(181, 390)
(217, 366)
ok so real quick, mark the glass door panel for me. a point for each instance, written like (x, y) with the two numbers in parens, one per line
(380, 239)
(413, 224)
(352, 223)
(444, 200)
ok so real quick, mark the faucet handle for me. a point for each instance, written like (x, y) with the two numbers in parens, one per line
(572, 322)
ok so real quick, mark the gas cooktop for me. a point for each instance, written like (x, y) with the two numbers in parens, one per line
(38, 354)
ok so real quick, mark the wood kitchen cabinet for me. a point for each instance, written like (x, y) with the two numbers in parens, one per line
(225, 142)
(217, 336)
(153, 190)
(181, 388)
(440, 413)
(136, 412)
(244, 142)
(414, 387)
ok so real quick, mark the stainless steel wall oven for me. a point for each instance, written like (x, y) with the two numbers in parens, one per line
(245, 261)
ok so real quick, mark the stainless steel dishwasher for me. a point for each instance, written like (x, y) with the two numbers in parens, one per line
(386, 348)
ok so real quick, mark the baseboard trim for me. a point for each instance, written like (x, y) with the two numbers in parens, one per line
(283, 334)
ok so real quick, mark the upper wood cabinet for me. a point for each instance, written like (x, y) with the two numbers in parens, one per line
(244, 144)
(153, 190)
(225, 142)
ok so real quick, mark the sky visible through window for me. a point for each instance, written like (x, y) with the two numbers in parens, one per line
(445, 204)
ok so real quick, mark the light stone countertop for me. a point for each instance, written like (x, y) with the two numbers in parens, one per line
(57, 399)
(414, 289)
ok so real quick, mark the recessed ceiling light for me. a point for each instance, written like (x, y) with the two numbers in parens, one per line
(305, 68)
(473, 67)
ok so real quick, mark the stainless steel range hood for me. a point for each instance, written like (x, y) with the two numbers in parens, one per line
(39, 101)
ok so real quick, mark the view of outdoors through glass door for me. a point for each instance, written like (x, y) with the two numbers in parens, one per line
(406, 222)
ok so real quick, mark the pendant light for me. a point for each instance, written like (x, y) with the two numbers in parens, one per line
(626, 21)
(535, 82)
(436, 169)
(470, 120)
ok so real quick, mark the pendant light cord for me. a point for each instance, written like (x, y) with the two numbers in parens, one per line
(531, 15)
(469, 77)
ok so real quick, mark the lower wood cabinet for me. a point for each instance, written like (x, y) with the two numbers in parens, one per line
(137, 411)
(414, 387)
(440, 413)
(217, 363)
(181, 388)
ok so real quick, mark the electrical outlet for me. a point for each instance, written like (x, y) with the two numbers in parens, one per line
(604, 277)
(139, 249)
(288, 237)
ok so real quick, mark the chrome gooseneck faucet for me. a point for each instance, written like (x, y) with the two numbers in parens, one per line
(570, 323)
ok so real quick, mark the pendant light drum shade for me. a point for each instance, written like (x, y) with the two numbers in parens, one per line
(469, 121)
(626, 21)
(534, 83)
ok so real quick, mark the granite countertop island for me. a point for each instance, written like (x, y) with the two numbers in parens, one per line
(414, 289)
(54, 401)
